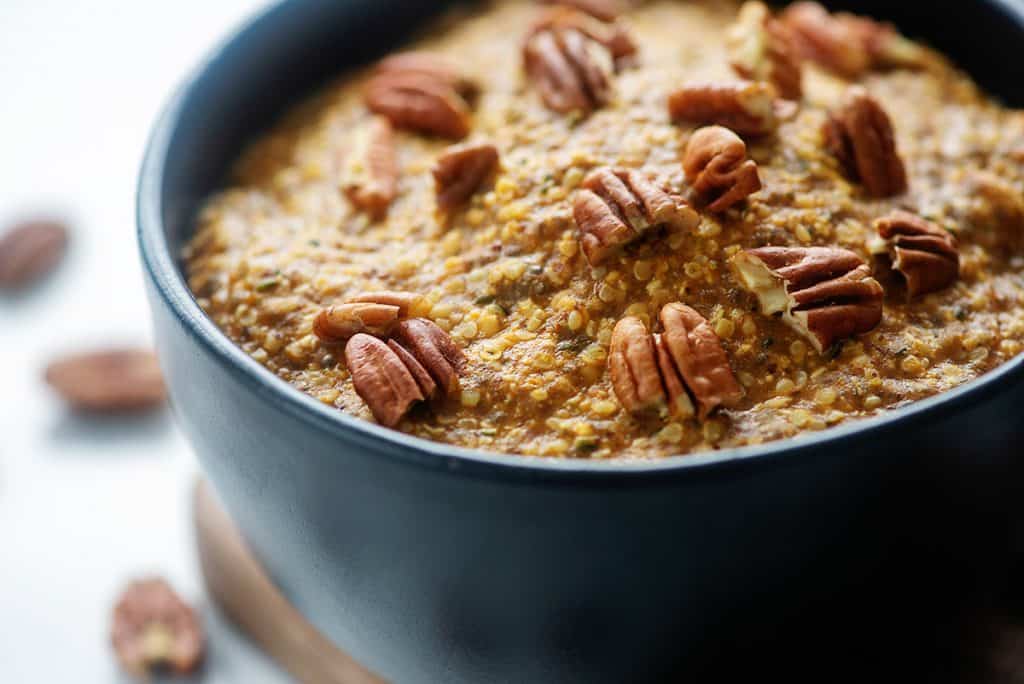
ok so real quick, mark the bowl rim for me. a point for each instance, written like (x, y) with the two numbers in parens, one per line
(162, 269)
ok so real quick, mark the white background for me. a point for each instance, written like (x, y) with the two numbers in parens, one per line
(87, 505)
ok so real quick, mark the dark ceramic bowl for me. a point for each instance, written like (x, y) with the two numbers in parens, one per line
(434, 563)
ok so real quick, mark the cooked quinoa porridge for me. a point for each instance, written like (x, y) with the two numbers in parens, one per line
(582, 230)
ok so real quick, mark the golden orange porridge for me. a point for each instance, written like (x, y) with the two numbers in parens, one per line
(663, 228)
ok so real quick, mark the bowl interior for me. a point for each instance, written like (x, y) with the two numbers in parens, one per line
(289, 50)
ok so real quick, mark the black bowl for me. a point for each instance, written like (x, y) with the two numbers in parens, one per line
(433, 563)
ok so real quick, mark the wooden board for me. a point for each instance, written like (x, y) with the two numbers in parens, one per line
(247, 596)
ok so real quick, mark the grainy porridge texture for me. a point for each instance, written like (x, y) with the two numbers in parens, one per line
(503, 273)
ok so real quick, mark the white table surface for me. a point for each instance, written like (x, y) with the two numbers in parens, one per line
(86, 505)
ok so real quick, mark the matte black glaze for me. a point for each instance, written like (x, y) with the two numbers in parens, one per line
(436, 564)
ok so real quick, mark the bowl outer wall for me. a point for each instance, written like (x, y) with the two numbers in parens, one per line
(429, 562)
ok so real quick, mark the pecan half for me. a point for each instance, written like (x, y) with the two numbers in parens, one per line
(109, 381)
(695, 353)
(434, 66)
(860, 134)
(633, 366)
(434, 349)
(572, 71)
(821, 38)
(616, 206)
(849, 44)
(373, 313)
(715, 162)
(747, 107)
(461, 170)
(824, 293)
(925, 255)
(382, 379)
(29, 250)
(612, 34)
(419, 92)
(369, 174)
(605, 10)
(762, 48)
(153, 629)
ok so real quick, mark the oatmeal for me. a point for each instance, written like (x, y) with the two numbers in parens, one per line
(695, 226)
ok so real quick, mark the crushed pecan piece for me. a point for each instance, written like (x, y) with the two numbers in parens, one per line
(696, 354)
(860, 135)
(633, 366)
(824, 293)
(421, 92)
(925, 255)
(373, 313)
(763, 49)
(29, 250)
(382, 379)
(612, 34)
(716, 164)
(605, 10)
(616, 206)
(154, 629)
(434, 349)
(747, 107)
(369, 175)
(572, 71)
(461, 170)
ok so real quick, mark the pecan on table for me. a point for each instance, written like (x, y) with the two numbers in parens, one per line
(109, 381)
(762, 48)
(605, 10)
(715, 162)
(153, 629)
(572, 71)
(461, 170)
(860, 135)
(612, 34)
(925, 255)
(692, 349)
(824, 293)
(633, 367)
(421, 92)
(616, 206)
(747, 107)
(373, 313)
(369, 172)
(30, 250)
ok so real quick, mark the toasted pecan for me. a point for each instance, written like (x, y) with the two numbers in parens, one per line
(697, 354)
(30, 250)
(369, 172)
(925, 255)
(860, 135)
(434, 349)
(633, 367)
(461, 170)
(762, 48)
(616, 206)
(824, 293)
(746, 107)
(572, 72)
(373, 313)
(614, 35)
(153, 629)
(420, 92)
(382, 379)
(715, 162)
